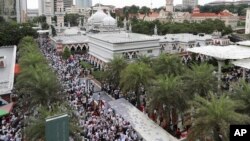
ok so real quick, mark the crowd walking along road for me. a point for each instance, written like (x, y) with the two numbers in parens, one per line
(97, 120)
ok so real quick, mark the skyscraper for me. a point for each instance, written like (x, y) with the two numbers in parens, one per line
(67, 3)
(83, 3)
(191, 3)
(21, 11)
(42, 7)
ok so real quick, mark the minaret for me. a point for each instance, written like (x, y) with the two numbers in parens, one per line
(155, 30)
(169, 6)
(48, 12)
(60, 13)
(130, 28)
(125, 24)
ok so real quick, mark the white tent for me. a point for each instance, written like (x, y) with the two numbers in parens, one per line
(232, 52)
(244, 63)
(222, 53)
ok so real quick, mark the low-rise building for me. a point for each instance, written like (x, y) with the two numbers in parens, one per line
(7, 69)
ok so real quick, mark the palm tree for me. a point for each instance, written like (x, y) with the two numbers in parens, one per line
(200, 79)
(36, 124)
(114, 69)
(31, 59)
(168, 91)
(145, 59)
(242, 93)
(135, 77)
(213, 117)
(168, 64)
(40, 84)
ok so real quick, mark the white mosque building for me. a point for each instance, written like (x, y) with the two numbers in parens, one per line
(103, 40)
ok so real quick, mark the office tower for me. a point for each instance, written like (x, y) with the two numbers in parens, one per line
(169, 6)
(83, 3)
(67, 3)
(42, 6)
(21, 11)
(190, 3)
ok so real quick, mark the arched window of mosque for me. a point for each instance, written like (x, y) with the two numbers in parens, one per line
(134, 55)
(174, 47)
(125, 55)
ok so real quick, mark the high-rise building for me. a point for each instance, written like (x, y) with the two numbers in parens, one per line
(42, 6)
(8, 9)
(169, 6)
(247, 26)
(21, 11)
(190, 3)
(83, 3)
(67, 3)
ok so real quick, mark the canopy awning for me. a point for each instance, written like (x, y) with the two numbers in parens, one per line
(4, 110)
(232, 52)
(244, 63)
(244, 43)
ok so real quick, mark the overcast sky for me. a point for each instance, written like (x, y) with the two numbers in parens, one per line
(32, 4)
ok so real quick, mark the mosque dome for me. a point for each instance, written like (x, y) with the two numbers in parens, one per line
(71, 31)
(109, 21)
(97, 17)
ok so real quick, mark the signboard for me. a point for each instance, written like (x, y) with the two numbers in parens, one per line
(57, 128)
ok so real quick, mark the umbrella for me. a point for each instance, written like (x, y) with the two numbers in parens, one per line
(4, 110)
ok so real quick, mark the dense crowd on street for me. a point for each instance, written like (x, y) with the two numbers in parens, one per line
(11, 125)
(98, 121)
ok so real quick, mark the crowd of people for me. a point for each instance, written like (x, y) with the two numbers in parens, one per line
(11, 125)
(98, 121)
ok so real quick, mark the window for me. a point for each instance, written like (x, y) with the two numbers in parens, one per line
(150, 51)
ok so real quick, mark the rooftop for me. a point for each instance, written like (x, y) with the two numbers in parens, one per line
(184, 37)
(8, 56)
(144, 126)
(122, 37)
(71, 39)
(226, 52)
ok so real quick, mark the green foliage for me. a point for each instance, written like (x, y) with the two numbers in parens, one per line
(136, 76)
(11, 33)
(66, 53)
(72, 18)
(100, 75)
(85, 65)
(168, 91)
(168, 65)
(200, 79)
(206, 26)
(242, 93)
(214, 116)
(45, 26)
(53, 30)
(114, 69)
(239, 9)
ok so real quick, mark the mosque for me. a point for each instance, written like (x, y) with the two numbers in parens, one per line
(103, 40)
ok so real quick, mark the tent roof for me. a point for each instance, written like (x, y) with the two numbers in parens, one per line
(225, 52)
(244, 63)
(244, 43)
(6, 109)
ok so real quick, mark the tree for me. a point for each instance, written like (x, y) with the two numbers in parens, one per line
(135, 77)
(36, 124)
(72, 19)
(200, 79)
(213, 117)
(168, 65)
(66, 53)
(168, 91)
(242, 93)
(53, 30)
(144, 10)
(114, 69)
(145, 59)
